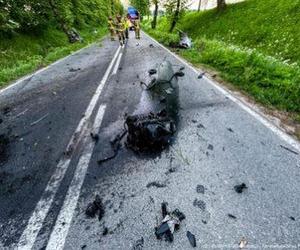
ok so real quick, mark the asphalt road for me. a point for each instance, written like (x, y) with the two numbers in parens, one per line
(50, 172)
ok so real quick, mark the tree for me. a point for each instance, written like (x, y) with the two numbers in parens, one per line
(28, 16)
(143, 6)
(221, 4)
(175, 9)
(153, 24)
(199, 5)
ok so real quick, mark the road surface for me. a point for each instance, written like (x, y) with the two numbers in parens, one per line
(50, 173)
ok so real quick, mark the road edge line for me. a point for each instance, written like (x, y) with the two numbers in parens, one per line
(258, 116)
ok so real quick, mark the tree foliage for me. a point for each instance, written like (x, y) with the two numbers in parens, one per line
(175, 10)
(35, 15)
(143, 6)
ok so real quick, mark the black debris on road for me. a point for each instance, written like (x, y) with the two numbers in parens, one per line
(94, 207)
(170, 223)
(200, 189)
(200, 204)
(240, 188)
(156, 184)
(192, 238)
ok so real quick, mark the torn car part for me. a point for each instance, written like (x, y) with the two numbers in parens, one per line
(185, 42)
(152, 125)
(95, 207)
(170, 223)
(191, 238)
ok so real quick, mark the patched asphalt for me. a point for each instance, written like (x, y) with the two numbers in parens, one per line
(218, 146)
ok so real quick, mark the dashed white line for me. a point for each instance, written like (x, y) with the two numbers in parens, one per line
(117, 64)
(63, 222)
(288, 139)
(41, 210)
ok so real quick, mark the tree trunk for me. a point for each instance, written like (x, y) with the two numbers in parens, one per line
(221, 4)
(176, 16)
(199, 6)
(153, 24)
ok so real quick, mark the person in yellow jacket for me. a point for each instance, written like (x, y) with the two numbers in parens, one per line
(111, 28)
(137, 28)
(120, 27)
(127, 25)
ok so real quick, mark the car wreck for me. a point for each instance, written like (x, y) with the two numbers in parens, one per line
(153, 124)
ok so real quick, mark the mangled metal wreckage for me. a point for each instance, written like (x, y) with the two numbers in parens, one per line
(152, 126)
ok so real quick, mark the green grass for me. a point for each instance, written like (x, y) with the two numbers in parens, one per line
(254, 45)
(23, 54)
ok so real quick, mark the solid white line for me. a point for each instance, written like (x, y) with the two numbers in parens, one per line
(63, 222)
(117, 64)
(279, 132)
(36, 220)
(24, 78)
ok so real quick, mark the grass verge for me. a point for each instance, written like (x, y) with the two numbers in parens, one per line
(23, 54)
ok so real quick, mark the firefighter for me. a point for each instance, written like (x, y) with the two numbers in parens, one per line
(137, 28)
(127, 26)
(120, 30)
(111, 27)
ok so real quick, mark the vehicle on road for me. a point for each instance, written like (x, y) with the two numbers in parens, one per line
(132, 15)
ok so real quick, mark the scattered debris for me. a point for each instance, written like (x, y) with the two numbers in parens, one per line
(243, 243)
(292, 218)
(1, 120)
(204, 221)
(192, 238)
(200, 189)
(164, 209)
(290, 150)
(115, 144)
(200, 76)
(240, 188)
(105, 231)
(95, 137)
(151, 45)
(171, 170)
(230, 130)
(185, 42)
(39, 120)
(200, 125)
(156, 184)
(74, 69)
(4, 144)
(139, 244)
(6, 110)
(200, 204)
(152, 71)
(231, 216)
(83, 247)
(170, 224)
(94, 207)
(210, 147)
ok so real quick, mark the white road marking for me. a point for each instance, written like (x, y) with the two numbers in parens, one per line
(117, 64)
(41, 70)
(41, 210)
(63, 222)
(279, 132)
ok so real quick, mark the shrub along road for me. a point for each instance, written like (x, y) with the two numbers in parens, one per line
(50, 172)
